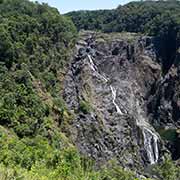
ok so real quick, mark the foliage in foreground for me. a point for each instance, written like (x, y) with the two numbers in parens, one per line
(59, 174)
(167, 170)
(35, 45)
(41, 159)
(36, 159)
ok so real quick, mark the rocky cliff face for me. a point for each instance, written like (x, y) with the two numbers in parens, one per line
(121, 100)
(164, 107)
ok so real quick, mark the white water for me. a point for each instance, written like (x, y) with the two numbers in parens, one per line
(113, 90)
(150, 138)
(92, 65)
(95, 69)
(151, 145)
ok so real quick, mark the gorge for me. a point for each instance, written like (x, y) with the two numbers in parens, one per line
(90, 95)
(116, 88)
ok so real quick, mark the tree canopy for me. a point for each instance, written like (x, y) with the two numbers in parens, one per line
(35, 45)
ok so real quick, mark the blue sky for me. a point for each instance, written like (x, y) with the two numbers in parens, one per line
(70, 5)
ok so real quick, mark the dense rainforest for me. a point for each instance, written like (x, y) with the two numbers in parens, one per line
(154, 18)
(148, 17)
(36, 43)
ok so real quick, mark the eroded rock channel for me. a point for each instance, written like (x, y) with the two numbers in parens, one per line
(114, 85)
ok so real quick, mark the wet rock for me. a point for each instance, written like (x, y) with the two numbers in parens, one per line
(121, 80)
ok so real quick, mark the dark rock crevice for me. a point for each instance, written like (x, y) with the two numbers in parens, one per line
(166, 48)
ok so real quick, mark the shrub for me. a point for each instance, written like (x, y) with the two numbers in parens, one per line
(85, 107)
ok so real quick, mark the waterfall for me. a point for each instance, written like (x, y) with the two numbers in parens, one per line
(95, 69)
(150, 138)
(113, 90)
(151, 145)
(92, 65)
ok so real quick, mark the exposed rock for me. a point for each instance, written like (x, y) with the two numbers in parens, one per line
(120, 78)
(164, 106)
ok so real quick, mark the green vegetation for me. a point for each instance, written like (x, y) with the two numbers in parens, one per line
(167, 170)
(91, 20)
(35, 45)
(85, 107)
(169, 134)
(160, 19)
(132, 17)
(65, 171)
(39, 158)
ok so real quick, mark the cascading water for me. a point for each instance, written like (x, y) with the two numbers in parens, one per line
(151, 145)
(150, 138)
(113, 90)
(95, 69)
(92, 65)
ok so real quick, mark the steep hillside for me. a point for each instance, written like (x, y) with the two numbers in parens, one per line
(89, 105)
(36, 45)
(34, 50)
(111, 85)
(131, 17)
(108, 84)
(154, 18)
